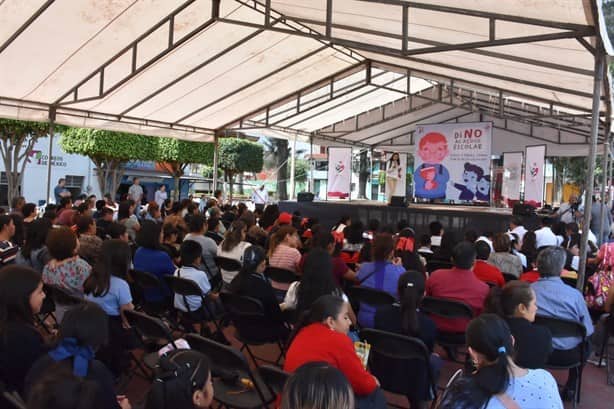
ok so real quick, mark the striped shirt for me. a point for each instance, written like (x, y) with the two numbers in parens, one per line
(8, 252)
(285, 257)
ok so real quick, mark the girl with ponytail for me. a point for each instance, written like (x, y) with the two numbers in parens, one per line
(497, 381)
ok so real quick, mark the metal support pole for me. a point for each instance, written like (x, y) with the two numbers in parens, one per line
(50, 152)
(604, 184)
(588, 202)
(312, 183)
(216, 147)
(292, 168)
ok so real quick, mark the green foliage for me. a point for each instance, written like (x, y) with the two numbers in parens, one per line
(301, 170)
(14, 130)
(608, 11)
(100, 144)
(240, 155)
(177, 150)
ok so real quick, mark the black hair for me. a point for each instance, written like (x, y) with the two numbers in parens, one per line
(5, 219)
(383, 245)
(64, 201)
(446, 247)
(149, 235)
(183, 372)
(353, 233)
(252, 257)
(17, 283)
(482, 250)
(190, 252)
(410, 289)
(516, 221)
(546, 221)
(317, 279)
(402, 224)
(234, 235)
(504, 301)
(114, 260)
(270, 214)
(317, 385)
(100, 204)
(373, 225)
(36, 235)
(196, 224)
(212, 223)
(87, 323)
(325, 306)
(123, 212)
(28, 209)
(322, 239)
(435, 228)
(20, 231)
(115, 230)
(463, 255)
(168, 230)
(425, 240)
(83, 223)
(470, 167)
(59, 388)
(471, 236)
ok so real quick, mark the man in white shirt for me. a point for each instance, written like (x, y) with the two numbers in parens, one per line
(260, 197)
(161, 196)
(567, 211)
(135, 192)
(517, 228)
(545, 236)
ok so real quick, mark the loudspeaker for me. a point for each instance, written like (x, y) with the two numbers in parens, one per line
(398, 201)
(523, 209)
(305, 197)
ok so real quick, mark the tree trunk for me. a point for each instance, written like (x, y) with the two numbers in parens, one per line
(241, 187)
(282, 173)
(230, 180)
(14, 152)
(108, 174)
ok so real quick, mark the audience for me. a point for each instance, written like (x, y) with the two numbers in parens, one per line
(482, 269)
(213, 230)
(89, 243)
(65, 269)
(544, 236)
(382, 274)
(517, 305)
(460, 284)
(283, 251)
(34, 252)
(321, 336)
(8, 250)
(126, 217)
(233, 247)
(502, 258)
(558, 300)
(317, 385)
(498, 382)
(197, 228)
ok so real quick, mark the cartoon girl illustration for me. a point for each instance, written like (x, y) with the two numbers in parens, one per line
(471, 175)
(483, 192)
(393, 175)
(431, 178)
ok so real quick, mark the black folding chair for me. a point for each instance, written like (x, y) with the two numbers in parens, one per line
(274, 378)
(509, 277)
(433, 265)
(144, 281)
(253, 327)
(562, 328)
(228, 264)
(153, 334)
(451, 310)
(47, 311)
(369, 296)
(10, 398)
(282, 276)
(395, 360)
(605, 348)
(187, 288)
(229, 368)
(62, 296)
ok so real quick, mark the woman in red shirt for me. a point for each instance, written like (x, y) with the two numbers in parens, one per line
(321, 336)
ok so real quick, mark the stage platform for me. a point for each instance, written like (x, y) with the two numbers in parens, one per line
(453, 217)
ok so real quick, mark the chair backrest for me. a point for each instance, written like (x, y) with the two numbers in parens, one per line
(228, 264)
(370, 296)
(392, 358)
(183, 286)
(433, 265)
(145, 280)
(241, 305)
(62, 296)
(281, 275)
(149, 327)
(273, 377)
(446, 308)
(570, 281)
(561, 328)
(509, 277)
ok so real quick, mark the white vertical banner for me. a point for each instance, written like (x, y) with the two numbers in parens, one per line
(534, 171)
(339, 173)
(512, 175)
(396, 175)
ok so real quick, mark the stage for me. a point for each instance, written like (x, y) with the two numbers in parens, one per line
(455, 218)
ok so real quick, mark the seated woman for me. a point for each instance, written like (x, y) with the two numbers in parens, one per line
(283, 251)
(21, 297)
(34, 252)
(317, 385)
(233, 247)
(381, 274)
(498, 382)
(126, 217)
(107, 287)
(325, 240)
(89, 242)
(321, 336)
(185, 382)
(66, 269)
(151, 258)
(405, 248)
(82, 332)
(502, 258)
(405, 318)
(517, 305)
(317, 280)
(251, 282)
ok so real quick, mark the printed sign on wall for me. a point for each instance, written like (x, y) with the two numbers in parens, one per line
(339, 173)
(452, 161)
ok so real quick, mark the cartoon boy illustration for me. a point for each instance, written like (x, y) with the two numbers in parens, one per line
(431, 178)
(483, 192)
(471, 175)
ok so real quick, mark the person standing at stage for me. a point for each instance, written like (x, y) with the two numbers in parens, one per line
(567, 211)
(260, 197)
(161, 196)
(393, 175)
(431, 177)
(135, 193)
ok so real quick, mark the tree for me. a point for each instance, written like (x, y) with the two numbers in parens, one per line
(109, 151)
(237, 156)
(174, 155)
(277, 153)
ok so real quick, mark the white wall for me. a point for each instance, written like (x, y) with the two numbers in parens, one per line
(34, 187)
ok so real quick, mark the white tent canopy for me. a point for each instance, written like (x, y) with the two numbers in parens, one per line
(190, 69)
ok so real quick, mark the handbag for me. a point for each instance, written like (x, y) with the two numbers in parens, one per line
(600, 283)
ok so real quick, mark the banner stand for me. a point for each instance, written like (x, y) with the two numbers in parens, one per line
(534, 174)
(339, 179)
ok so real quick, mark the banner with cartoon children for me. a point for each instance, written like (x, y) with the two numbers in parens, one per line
(452, 162)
